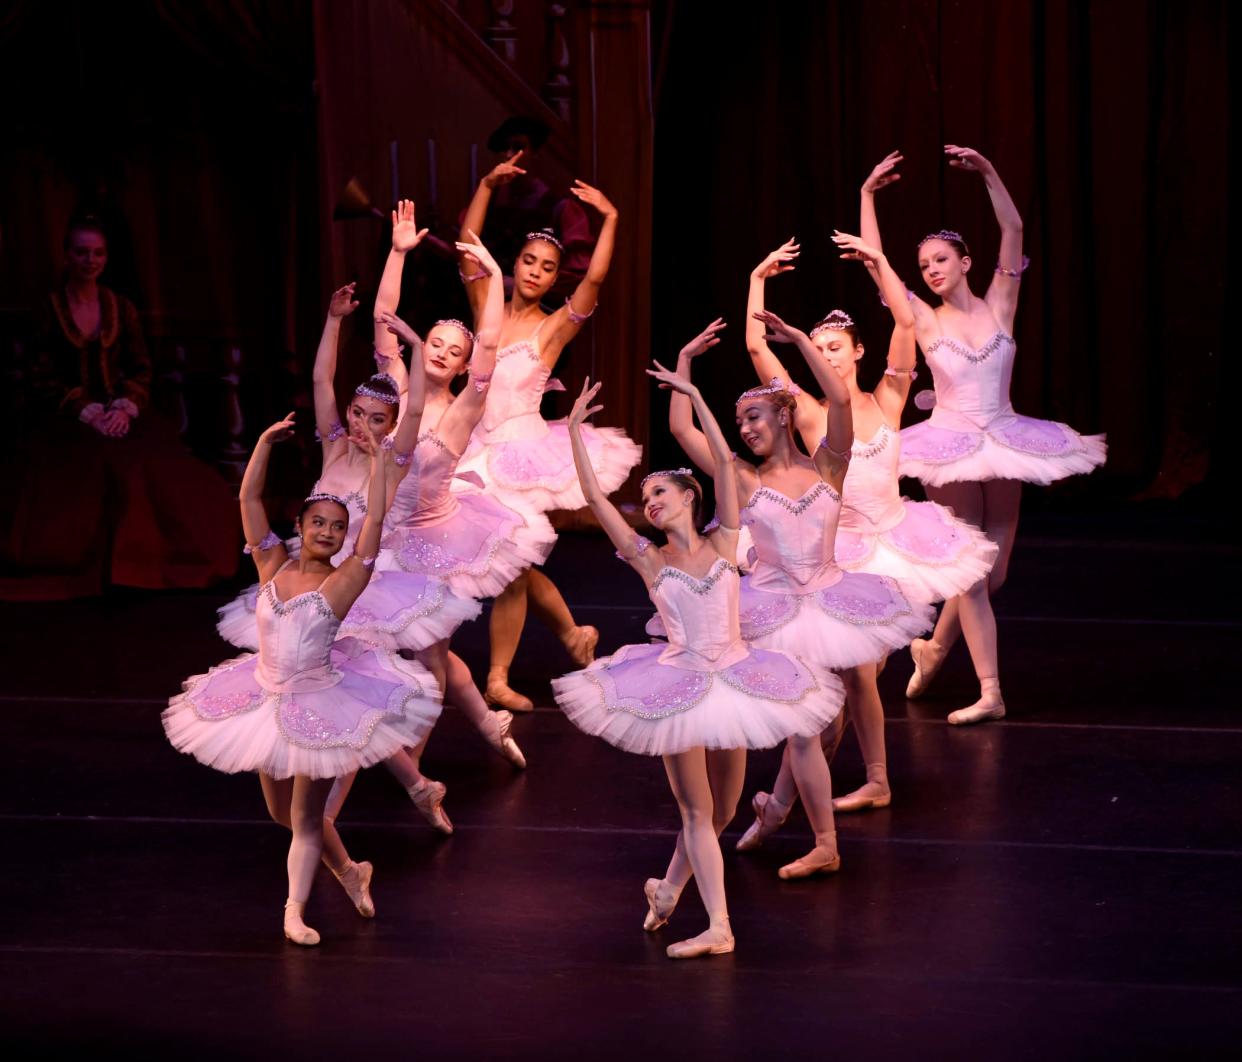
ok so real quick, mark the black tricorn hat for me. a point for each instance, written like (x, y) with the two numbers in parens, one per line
(533, 129)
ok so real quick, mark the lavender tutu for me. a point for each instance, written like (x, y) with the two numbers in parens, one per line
(796, 599)
(473, 542)
(707, 688)
(519, 456)
(306, 703)
(929, 552)
(974, 434)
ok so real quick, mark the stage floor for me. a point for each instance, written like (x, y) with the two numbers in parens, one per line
(1061, 885)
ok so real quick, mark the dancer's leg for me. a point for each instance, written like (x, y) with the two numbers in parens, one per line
(726, 774)
(507, 621)
(309, 798)
(355, 878)
(1000, 520)
(810, 770)
(461, 691)
(550, 607)
(867, 714)
(688, 777)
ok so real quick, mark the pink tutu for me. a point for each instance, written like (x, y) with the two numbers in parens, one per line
(366, 706)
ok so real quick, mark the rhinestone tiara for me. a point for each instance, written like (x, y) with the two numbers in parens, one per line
(456, 324)
(944, 234)
(547, 236)
(368, 391)
(835, 321)
(776, 385)
(323, 495)
(664, 472)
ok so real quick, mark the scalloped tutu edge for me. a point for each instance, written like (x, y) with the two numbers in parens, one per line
(993, 460)
(252, 740)
(726, 717)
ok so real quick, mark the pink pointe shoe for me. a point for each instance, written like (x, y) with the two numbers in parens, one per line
(770, 816)
(874, 793)
(661, 902)
(355, 879)
(927, 657)
(497, 692)
(822, 859)
(498, 736)
(710, 942)
(295, 929)
(428, 796)
(580, 643)
(985, 709)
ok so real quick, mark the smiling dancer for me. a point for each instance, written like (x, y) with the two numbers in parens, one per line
(525, 460)
(308, 708)
(704, 698)
(975, 452)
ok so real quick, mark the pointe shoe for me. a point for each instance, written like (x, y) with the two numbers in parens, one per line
(984, 709)
(580, 643)
(927, 660)
(428, 796)
(867, 796)
(822, 859)
(499, 738)
(710, 942)
(770, 816)
(660, 904)
(499, 693)
(295, 929)
(355, 879)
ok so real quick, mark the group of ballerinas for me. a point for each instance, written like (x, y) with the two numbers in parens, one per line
(430, 501)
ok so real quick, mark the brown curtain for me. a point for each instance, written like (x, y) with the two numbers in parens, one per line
(1107, 121)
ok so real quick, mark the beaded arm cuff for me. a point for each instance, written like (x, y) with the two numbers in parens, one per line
(381, 359)
(480, 380)
(843, 454)
(480, 275)
(910, 297)
(368, 562)
(336, 431)
(641, 544)
(912, 373)
(267, 542)
(1015, 273)
(91, 412)
(578, 318)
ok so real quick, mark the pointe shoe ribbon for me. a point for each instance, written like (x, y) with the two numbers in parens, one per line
(428, 797)
(580, 643)
(499, 693)
(707, 943)
(355, 879)
(502, 740)
(660, 904)
(926, 664)
(822, 859)
(770, 816)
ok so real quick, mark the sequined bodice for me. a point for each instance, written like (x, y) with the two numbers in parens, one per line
(971, 384)
(295, 637)
(700, 615)
(518, 383)
(871, 499)
(434, 465)
(793, 537)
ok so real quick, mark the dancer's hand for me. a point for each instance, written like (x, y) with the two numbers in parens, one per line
(113, 423)
(884, 173)
(964, 158)
(671, 381)
(406, 235)
(474, 251)
(278, 432)
(779, 261)
(367, 444)
(854, 249)
(504, 172)
(582, 404)
(400, 329)
(343, 302)
(595, 198)
(777, 330)
(704, 341)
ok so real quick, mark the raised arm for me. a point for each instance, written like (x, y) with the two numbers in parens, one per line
(266, 549)
(476, 215)
(831, 460)
(342, 587)
(405, 437)
(1002, 295)
(323, 375)
(466, 410)
(406, 235)
(782, 260)
(882, 174)
(894, 385)
(722, 467)
(681, 409)
(567, 322)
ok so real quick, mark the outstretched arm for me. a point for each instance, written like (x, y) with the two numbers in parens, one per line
(476, 215)
(568, 320)
(722, 463)
(323, 375)
(895, 383)
(405, 437)
(460, 418)
(681, 409)
(882, 174)
(1002, 294)
(833, 459)
(342, 587)
(406, 235)
(268, 555)
(782, 260)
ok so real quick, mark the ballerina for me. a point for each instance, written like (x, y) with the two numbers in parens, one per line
(704, 698)
(308, 708)
(932, 555)
(523, 459)
(975, 452)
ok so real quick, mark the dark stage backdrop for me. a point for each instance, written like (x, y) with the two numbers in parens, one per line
(1108, 123)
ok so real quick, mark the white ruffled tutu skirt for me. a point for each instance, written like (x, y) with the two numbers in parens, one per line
(477, 551)
(638, 704)
(371, 705)
(534, 462)
(397, 610)
(859, 619)
(931, 554)
(1010, 447)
